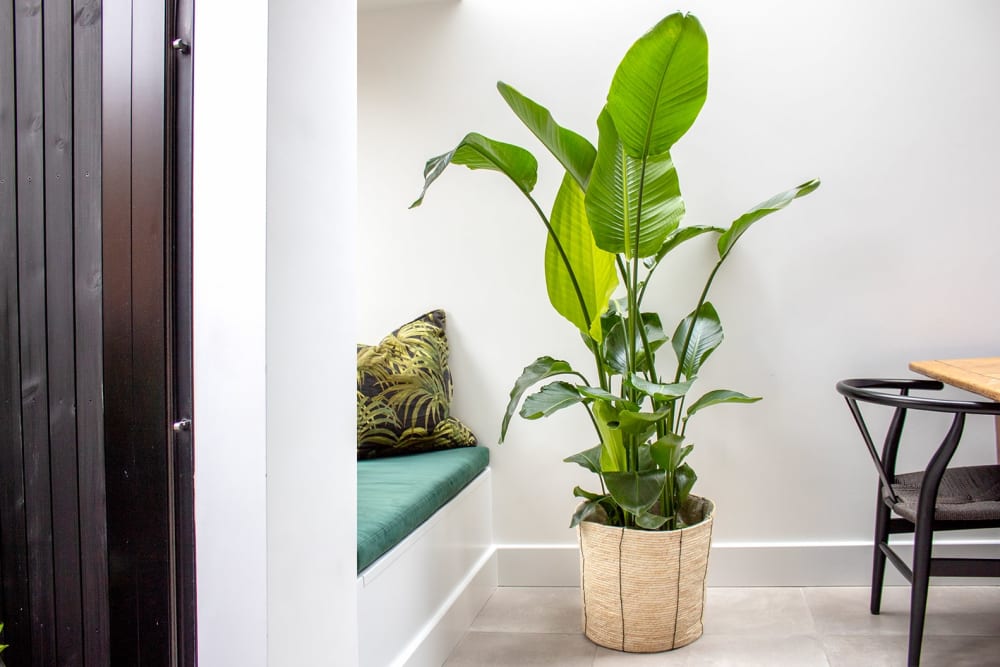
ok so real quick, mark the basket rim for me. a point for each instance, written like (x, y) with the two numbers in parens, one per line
(708, 517)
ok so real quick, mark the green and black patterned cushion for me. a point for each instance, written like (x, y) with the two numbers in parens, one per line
(404, 392)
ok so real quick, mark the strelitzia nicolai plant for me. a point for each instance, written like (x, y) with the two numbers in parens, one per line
(615, 219)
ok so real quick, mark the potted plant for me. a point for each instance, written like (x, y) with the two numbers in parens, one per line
(615, 219)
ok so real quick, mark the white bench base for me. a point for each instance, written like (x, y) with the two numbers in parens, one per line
(417, 601)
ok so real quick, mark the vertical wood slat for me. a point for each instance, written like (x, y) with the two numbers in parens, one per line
(58, 133)
(116, 185)
(89, 335)
(31, 280)
(149, 343)
(14, 545)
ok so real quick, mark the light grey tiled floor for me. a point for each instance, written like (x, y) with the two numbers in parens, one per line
(770, 627)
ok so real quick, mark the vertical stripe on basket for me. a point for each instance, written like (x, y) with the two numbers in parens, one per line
(677, 606)
(621, 594)
(583, 578)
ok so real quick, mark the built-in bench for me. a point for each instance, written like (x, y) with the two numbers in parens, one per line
(397, 494)
(425, 554)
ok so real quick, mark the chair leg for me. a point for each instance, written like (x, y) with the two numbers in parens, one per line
(918, 591)
(878, 557)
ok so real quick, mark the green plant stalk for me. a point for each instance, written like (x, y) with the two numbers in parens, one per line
(572, 277)
(687, 339)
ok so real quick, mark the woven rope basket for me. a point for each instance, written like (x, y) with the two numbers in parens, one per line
(644, 591)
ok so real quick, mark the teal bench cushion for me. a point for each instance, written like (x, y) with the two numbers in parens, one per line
(397, 494)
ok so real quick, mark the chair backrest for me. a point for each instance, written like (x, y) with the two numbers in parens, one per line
(875, 390)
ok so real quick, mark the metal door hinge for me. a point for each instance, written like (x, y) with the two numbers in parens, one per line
(182, 426)
(180, 45)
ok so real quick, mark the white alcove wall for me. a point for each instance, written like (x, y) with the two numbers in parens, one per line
(274, 212)
(893, 104)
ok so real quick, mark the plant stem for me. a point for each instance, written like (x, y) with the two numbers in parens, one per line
(576, 285)
(687, 339)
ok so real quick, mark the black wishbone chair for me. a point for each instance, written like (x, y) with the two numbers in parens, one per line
(937, 498)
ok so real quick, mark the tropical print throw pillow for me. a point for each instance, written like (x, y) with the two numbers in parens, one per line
(404, 392)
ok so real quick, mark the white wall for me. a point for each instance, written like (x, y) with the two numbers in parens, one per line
(230, 95)
(311, 212)
(893, 104)
(274, 165)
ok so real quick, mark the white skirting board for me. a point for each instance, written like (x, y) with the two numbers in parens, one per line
(416, 602)
(756, 564)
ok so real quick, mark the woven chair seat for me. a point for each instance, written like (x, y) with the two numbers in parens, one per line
(970, 493)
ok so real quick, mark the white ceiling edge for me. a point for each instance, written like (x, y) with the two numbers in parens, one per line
(369, 5)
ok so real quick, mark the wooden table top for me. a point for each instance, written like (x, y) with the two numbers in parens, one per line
(980, 376)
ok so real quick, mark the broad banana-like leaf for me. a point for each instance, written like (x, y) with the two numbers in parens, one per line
(677, 237)
(665, 451)
(580, 296)
(640, 423)
(704, 338)
(539, 369)
(613, 205)
(613, 456)
(588, 458)
(650, 521)
(549, 399)
(635, 492)
(660, 392)
(645, 458)
(775, 203)
(478, 152)
(574, 152)
(660, 85)
(684, 480)
(598, 394)
(615, 354)
(586, 511)
(720, 396)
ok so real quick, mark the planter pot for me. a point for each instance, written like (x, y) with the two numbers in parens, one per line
(644, 591)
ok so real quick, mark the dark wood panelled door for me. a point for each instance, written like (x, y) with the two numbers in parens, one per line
(147, 331)
(96, 455)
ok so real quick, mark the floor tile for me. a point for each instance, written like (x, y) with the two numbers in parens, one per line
(775, 612)
(726, 651)
(890, 651)
(536, 610)
(503, 649)
(746, 627)
(951, 610)
(845, 611)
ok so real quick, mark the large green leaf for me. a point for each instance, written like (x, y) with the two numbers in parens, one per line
(775, 203)
(660, 85)
(593, 268)
(615, 353)
(588, 458)
(684, 479)
(613, 455)
(640, 423)
(635, 492)
(704, 338)
(650, 521)
(613, 197)
(660, 392)
(478, 152)
(574, 152)
(539, 369)
(668, 451)
(551, 398)
(586, 511)
(720, 396)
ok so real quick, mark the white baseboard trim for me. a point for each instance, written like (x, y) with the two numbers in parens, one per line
(746, 564)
